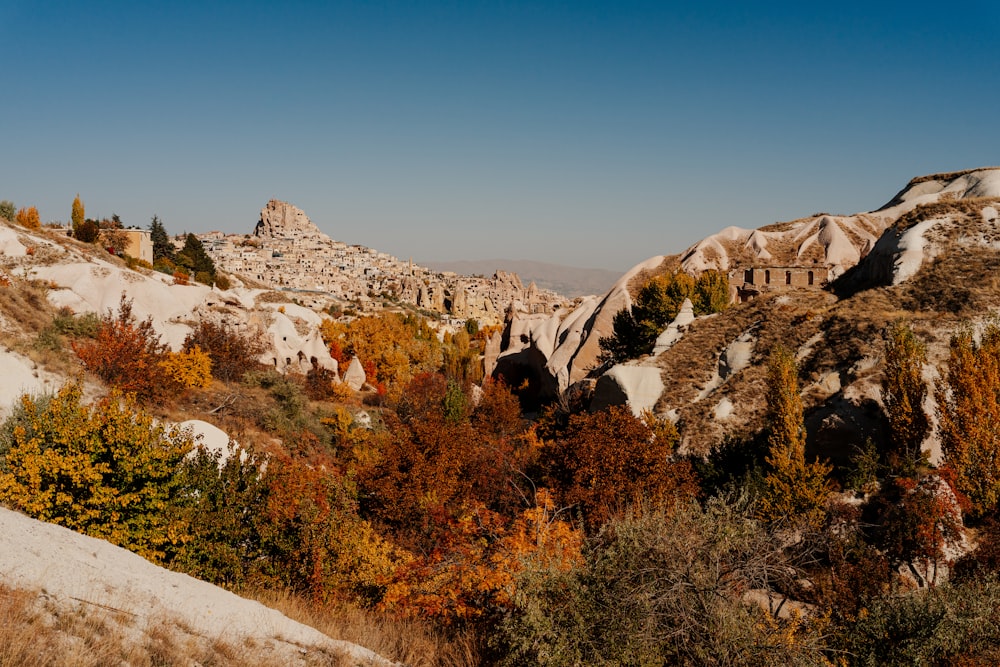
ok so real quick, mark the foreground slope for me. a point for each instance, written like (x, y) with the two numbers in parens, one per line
(75, 571)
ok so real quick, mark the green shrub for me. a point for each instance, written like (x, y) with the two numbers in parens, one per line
(661, 586)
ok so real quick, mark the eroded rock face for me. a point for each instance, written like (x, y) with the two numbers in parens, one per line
(280, 219)
(638, 386)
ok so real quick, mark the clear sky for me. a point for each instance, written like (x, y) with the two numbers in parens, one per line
(585, 133)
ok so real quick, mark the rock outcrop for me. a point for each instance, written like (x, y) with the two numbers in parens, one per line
(280, 219)
(715, 390)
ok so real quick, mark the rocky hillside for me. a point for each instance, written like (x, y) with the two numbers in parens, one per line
(928, 256)
(287, 251)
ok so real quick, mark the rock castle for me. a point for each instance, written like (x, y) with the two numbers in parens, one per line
(288, 252)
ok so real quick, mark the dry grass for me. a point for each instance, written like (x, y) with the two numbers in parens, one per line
(788, 319)
(35, 631)
(414, 643)
(968, 210)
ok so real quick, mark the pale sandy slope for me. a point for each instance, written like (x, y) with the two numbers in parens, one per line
(74, 570)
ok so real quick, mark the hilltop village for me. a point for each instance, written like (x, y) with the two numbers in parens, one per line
(288, 252)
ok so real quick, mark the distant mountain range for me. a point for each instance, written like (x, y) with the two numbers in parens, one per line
(569, 281)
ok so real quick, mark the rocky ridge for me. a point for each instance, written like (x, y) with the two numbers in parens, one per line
(287, 251)
(922, 257)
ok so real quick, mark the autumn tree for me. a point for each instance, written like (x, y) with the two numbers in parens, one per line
(28, 217)
(126, 354)
(396, 347)
(605, 461)
(77, 215)
(903, 392)
(105, 470)
(312, 538)
(917, 521)
(794, 489)
(969, 400)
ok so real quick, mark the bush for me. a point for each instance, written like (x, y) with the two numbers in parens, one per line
(660, 586)
(233, 354)
(87, 232)
(321, 384)
(8, 210)
(126, 354)
(189, 369)
(222, 504)
(107, 470)
(945, 625)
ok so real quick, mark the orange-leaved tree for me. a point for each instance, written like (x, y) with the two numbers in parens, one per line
(312, 537)
(126, 354)
(28, 217)
(474, 566)
(605, 461)
(969, 400)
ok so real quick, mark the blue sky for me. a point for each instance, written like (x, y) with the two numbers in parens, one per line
(583, 133)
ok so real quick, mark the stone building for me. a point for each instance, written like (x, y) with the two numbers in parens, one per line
(752, 282)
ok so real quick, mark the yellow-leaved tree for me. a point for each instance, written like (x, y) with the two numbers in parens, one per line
(77, 214)
(969, 415)
(903, 391)
(106, 470)
(28, 217)
(794, 489)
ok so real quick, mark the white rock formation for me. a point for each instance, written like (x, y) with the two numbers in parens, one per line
(354, 376)
(638, 386)
(674, 330)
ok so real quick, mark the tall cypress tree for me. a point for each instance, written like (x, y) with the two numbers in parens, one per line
(793, 489)
(77, 214)
(162, 247)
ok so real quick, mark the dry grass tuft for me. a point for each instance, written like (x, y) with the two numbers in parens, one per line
(412, 642)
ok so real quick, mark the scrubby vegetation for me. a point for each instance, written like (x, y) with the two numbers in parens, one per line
(656, 305)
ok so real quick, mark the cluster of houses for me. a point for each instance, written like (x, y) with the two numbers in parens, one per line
(307, 260)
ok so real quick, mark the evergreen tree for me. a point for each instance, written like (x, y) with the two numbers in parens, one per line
(7, 210)
(162, 247)
(194, 257)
